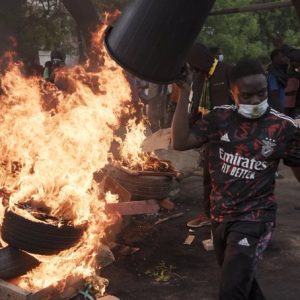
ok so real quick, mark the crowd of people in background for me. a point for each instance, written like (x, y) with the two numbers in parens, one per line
(210, 84)
(34, 68)
(283, 81)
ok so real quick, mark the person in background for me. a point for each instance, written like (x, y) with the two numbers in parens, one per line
(220, 80)
(58, 57)
(135, 86)
(47, 71)
(155, 97)
(292, 88)
(32, 67)
(210, 81)
(217, 53)
(277, 79)
(294, 55)
(246, 142)
(171, 104)
(58, 61)
(294, 102)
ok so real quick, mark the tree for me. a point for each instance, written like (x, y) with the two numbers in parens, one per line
(247, 34)
(10, 12)
(35, 25)
(48, 24)
(297, 7)
(85, 16)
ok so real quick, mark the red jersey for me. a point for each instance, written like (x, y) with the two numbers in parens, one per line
(244, 157)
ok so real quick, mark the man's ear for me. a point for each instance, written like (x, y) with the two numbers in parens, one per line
(233, 92)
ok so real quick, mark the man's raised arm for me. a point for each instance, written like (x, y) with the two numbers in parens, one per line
(182, 137)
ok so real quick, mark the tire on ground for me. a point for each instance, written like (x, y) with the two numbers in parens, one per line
(37, 237)
(143, 187)
(14, 263)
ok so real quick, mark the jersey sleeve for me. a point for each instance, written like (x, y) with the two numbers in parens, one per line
(292, 151)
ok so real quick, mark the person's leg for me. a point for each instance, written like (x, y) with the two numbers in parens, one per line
(244, 242)
(203, 219)
(154, 113)
(256, 292)
(219, 241)
(206, 182)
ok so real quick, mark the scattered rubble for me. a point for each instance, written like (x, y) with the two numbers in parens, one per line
(189, 240)
(167, 204)
(159, 221)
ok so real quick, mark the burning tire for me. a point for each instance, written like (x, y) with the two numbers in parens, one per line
(14, 263)
(37, 237)
(143, 187)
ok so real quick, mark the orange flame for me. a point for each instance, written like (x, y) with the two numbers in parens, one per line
(51, 143)
(132, 154)
(131, 148)
(111, 198)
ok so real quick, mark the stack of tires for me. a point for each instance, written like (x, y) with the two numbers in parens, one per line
(25, 236)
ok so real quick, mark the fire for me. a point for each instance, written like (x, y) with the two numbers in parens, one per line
(51, 143)
(79, 260)
(131, 148)
(132, 155)
(111, 198)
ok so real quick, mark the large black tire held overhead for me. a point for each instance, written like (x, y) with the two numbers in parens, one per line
(152, 38)
(142, 187)
(14, 263)
(36, 237)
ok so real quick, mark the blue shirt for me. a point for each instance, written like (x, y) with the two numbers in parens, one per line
(275, 85)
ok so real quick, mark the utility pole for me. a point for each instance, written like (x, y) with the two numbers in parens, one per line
(297, 6)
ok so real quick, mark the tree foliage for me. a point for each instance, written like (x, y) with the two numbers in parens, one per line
(249, 34)
(37, 24)
(46, 24)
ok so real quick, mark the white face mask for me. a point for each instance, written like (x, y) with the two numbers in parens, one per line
(221, 57)
(253, 111)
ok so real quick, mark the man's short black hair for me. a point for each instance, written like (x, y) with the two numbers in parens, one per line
(246, 67)
(275, 53)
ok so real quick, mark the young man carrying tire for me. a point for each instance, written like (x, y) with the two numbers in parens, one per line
(246, 143)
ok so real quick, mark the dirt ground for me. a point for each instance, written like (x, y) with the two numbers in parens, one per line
(166, 269)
